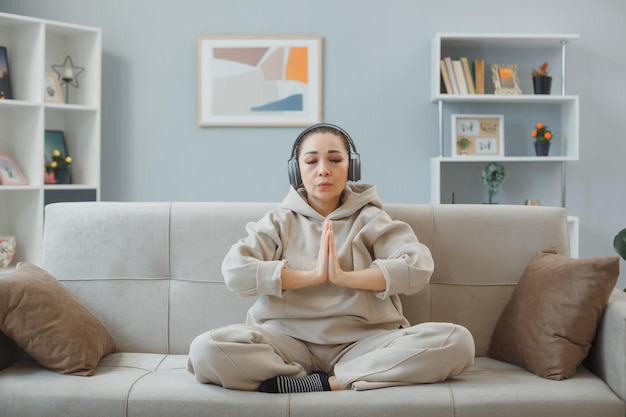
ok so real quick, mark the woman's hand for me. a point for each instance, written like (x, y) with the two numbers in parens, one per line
(321, 268)
(365, 279)
(327, 268)
(333, 268)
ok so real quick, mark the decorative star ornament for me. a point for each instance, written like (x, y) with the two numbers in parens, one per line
(68, 72)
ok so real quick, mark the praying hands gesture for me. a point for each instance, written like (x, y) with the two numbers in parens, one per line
(328, 269)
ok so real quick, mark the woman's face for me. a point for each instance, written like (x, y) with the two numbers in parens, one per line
(324, 162)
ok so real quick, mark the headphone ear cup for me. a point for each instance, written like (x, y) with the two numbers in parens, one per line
(354, 169)
(294, 173)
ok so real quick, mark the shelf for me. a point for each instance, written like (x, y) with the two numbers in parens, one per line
(492, 98)
(33, 46)
(507, 39)
(458, 179)
(539, 159)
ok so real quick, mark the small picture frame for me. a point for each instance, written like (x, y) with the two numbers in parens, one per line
(10, 172)
(52, 92)
(477, 135)
(505, 80)
(5, 78)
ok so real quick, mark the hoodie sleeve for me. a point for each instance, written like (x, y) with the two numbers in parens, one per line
(406, 263)
(253, 266)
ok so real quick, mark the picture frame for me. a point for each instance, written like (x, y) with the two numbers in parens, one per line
(52, 88)
(505, 79)
(54, 139)
(477, 135)
(5, 75)
(10, 172)
(259, 80)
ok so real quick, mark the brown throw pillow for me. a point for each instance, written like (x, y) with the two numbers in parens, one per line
(550, 321)
(51, 324)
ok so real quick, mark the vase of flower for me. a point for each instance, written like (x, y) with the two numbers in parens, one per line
(543, 138)
(542, 85)
(542, 149)
(58, 170)
(62, 177)
(542, 81)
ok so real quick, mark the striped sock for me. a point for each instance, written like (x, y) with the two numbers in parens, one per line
(317, 381)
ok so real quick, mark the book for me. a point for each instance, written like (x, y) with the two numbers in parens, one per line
(459, 76)
(446, 77)
(453, 82)
(479, 75)
(469, 77)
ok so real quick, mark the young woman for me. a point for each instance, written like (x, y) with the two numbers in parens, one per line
(327, 267)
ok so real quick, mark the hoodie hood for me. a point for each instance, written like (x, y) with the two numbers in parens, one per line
(355, 197)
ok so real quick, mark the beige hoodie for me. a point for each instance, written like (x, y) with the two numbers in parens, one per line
(365, 237)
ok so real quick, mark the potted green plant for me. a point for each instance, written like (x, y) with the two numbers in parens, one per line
(493, 176)
(619, 243)
(542, 81)
(463, 143)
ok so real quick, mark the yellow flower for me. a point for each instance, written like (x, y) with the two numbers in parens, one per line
(59, 162)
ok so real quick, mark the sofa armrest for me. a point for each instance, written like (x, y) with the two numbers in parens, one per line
(607, 358)
(8, 351)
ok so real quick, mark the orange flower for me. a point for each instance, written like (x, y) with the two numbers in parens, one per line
(541, 134)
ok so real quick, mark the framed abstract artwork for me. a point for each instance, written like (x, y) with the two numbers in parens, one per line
(259, 80)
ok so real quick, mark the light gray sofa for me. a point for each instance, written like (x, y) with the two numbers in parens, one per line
(151, 273)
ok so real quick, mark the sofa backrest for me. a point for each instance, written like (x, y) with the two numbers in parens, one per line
(152, 271)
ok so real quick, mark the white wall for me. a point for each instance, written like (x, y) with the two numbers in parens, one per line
(376, 85)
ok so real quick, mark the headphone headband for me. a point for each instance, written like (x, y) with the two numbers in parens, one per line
(354, 169)
(352, 148)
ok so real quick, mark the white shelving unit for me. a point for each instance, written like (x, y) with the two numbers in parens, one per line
(33, 46)
(457, 179)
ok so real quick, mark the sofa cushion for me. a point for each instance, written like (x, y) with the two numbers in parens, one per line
(550, 321)
(50, 324)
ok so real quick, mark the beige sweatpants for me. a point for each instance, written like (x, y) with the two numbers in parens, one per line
(241, 357)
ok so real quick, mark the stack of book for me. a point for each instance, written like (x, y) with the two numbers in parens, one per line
(460, 76)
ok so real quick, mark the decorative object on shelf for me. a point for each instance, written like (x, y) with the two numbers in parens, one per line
(60, 165)
(542, 81)
(281, 85)
(505, 80)
(542, 139)
(7, 250)
(619, 243)
(56, 158)
(5, 79)
(10, 172)
(52, 92)
(463, 143)
(68, 74)
(532, 202)
(493, 176)
(475, 135)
